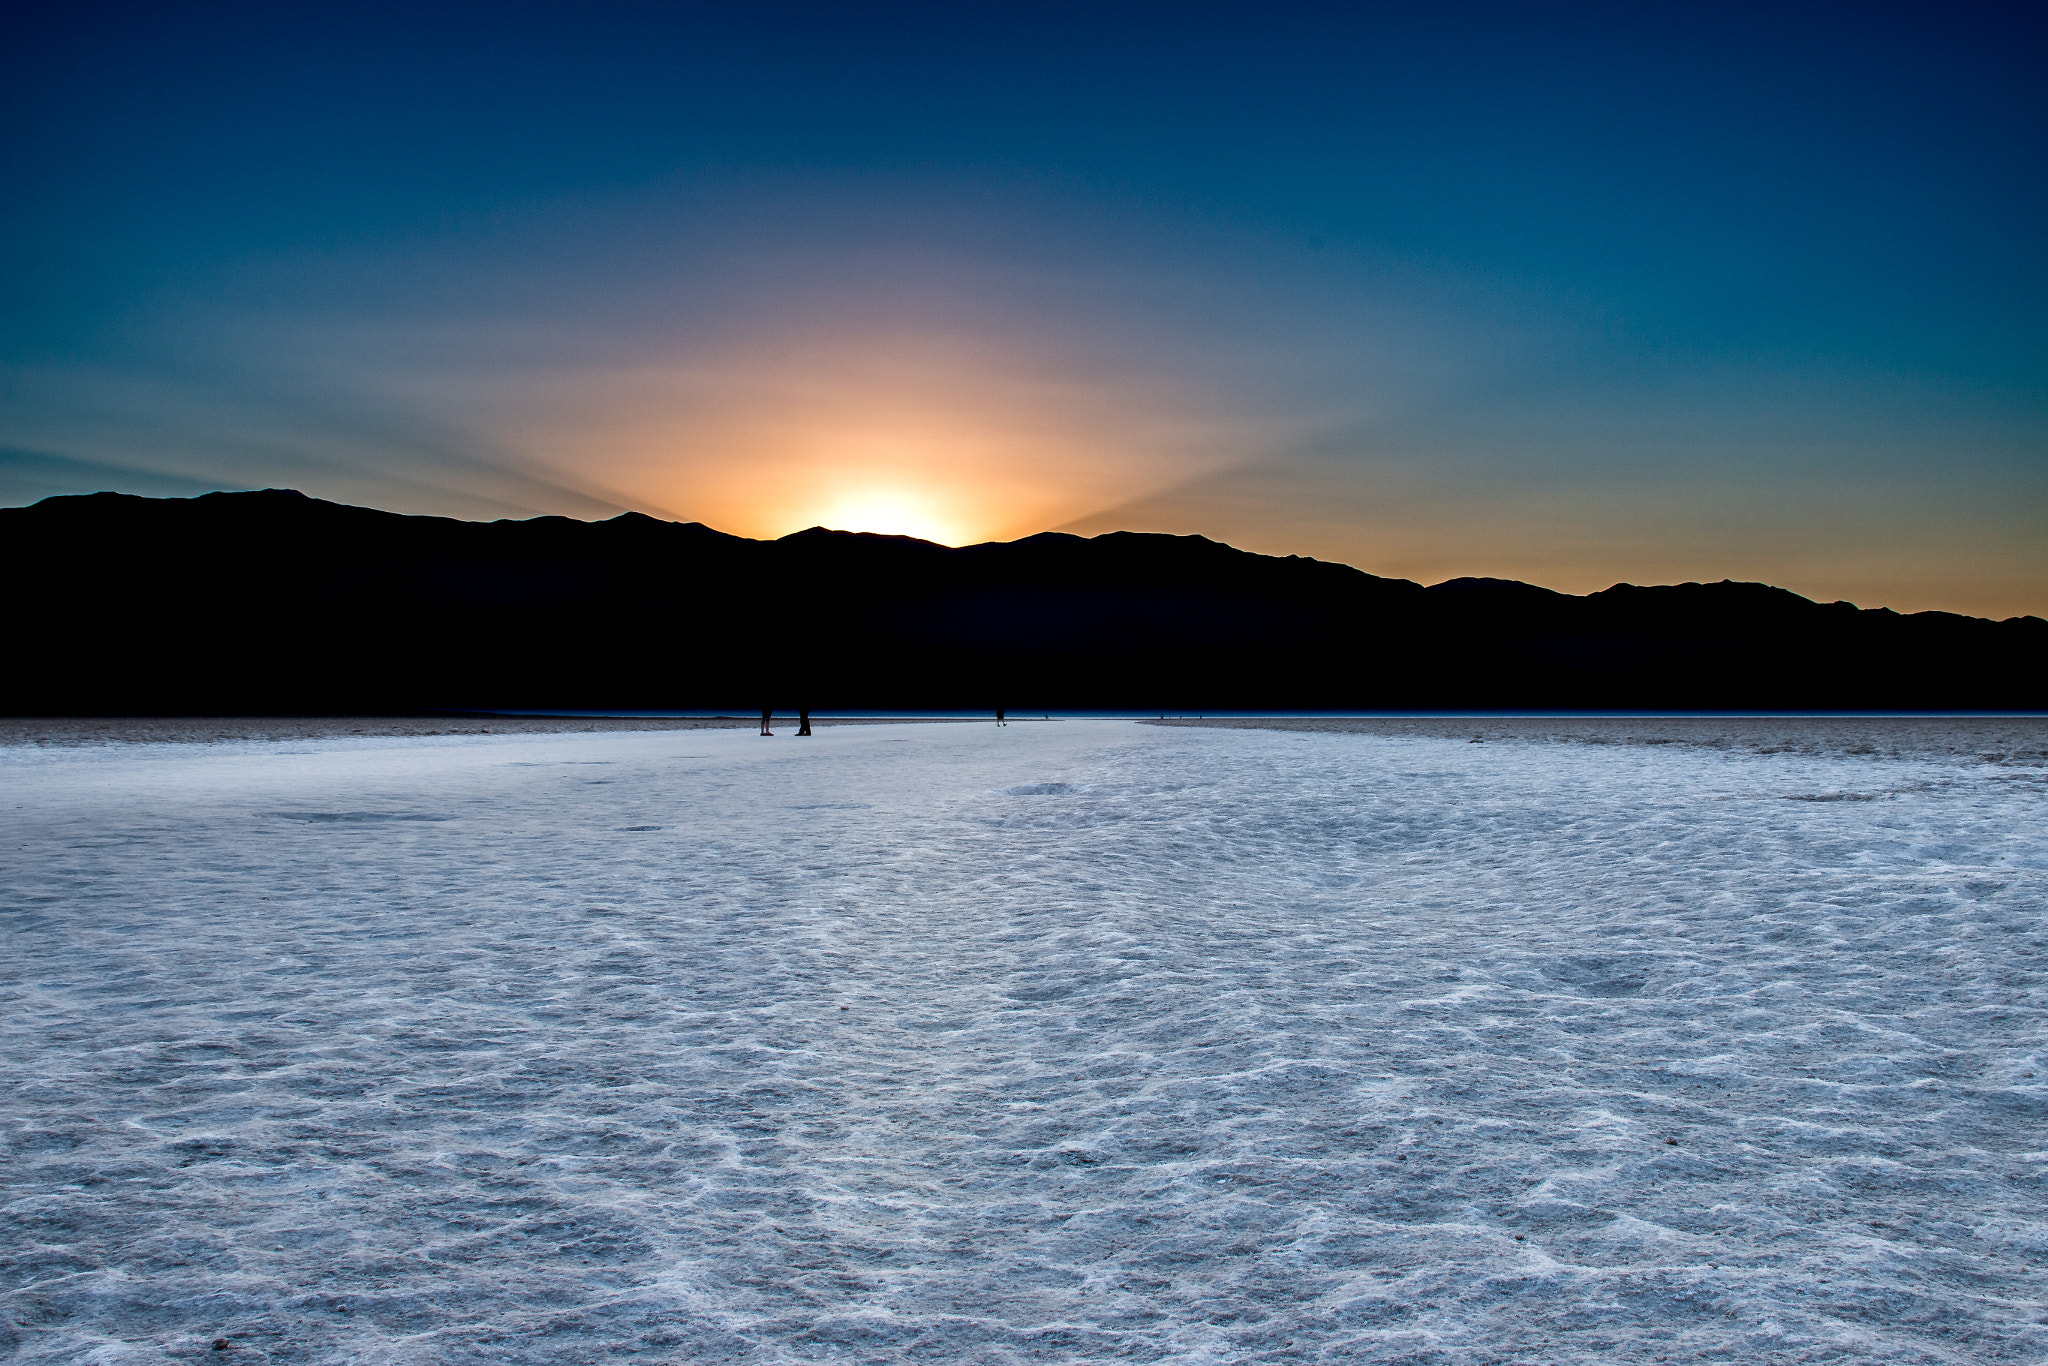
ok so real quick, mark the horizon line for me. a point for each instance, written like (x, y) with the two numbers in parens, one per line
(634, 513)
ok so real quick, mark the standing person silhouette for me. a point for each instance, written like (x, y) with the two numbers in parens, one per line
(766, 714)
(803, 723)
(999, 717)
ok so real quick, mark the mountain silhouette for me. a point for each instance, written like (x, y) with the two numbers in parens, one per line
(275, 602)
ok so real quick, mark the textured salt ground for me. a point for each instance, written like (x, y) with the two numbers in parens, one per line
(1986, 739)
(66, 731)
(1078, 1042)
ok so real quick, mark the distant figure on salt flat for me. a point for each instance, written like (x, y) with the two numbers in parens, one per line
(803, 723)
(766, 714)
(999, 717)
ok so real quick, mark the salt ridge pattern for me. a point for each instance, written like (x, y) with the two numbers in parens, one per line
(1065, 1042)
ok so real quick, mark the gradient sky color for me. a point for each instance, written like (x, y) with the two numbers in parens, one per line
(1568, 294)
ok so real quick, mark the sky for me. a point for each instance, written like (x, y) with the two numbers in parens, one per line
(1574, 295)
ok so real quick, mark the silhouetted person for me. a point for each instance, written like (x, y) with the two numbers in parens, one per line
(803, 723)
(766, 714)
(999, 717)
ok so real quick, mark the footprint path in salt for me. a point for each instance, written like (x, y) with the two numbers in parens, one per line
(1062, 1042)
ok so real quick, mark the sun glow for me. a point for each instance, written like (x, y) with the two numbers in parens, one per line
(938, 438)
(893, 512)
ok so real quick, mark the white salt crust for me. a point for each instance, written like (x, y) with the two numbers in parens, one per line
(1069, 1042)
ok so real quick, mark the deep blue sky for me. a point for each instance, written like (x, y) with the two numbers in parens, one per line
(1568, 294)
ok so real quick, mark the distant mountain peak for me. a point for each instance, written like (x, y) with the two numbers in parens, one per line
(814, 534)
(1512, 587)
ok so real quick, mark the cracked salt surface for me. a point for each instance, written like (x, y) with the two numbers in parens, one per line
(1075, 1042)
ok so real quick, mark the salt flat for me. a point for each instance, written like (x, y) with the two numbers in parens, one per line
(1070, 1041)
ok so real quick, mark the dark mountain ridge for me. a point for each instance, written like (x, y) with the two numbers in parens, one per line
(275, 602)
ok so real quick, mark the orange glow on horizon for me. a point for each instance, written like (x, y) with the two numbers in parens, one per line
(894, 512)
(953, 440)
